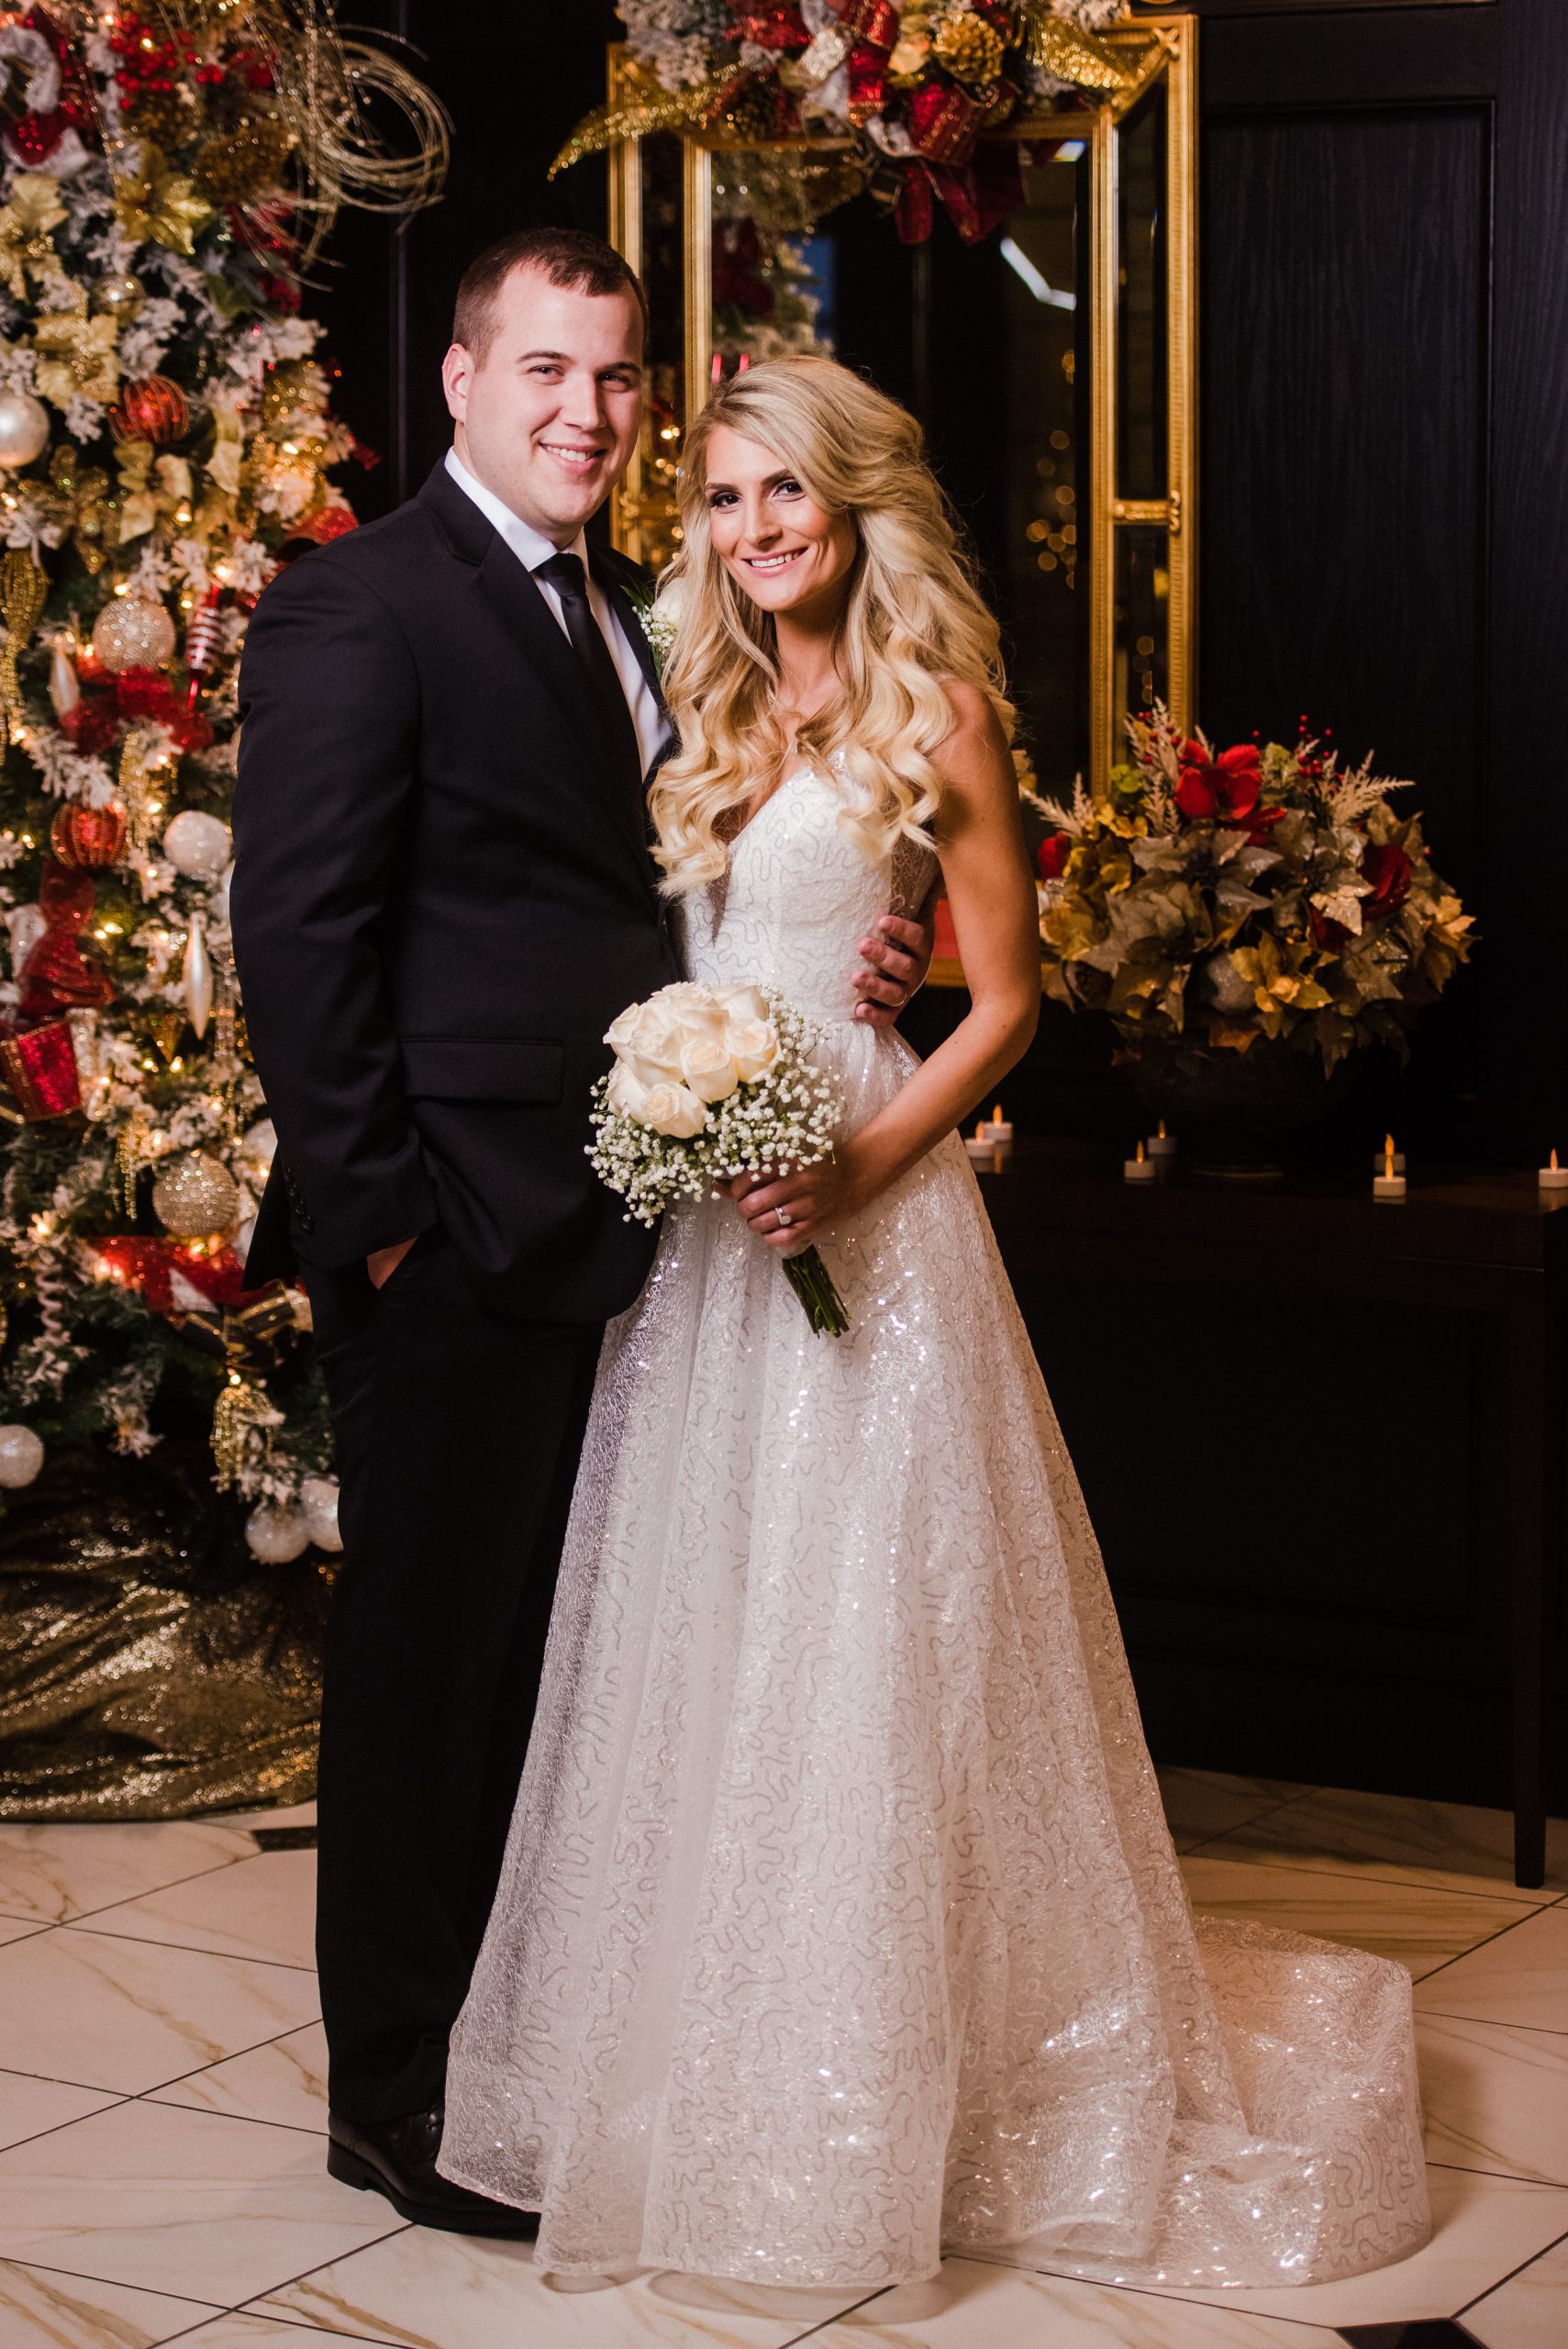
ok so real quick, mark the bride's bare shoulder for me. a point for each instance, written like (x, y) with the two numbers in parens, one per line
(974, 749)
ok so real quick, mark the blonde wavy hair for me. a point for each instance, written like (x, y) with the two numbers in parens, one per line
(913, 617)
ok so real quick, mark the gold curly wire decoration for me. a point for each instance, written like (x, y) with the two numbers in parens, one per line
(328, 81)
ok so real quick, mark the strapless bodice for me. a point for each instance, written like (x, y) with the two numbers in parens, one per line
(800, 896)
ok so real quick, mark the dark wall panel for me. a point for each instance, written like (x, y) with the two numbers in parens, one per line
(1344, 269)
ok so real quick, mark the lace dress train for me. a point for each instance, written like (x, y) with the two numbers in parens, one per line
(840, 1924)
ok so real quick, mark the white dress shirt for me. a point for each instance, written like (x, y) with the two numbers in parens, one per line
(532, 548)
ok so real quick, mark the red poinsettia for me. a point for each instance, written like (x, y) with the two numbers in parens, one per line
(1227, 786)
(1386, 868)
(1052, 856)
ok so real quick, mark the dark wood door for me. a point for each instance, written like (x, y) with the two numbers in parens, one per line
(1384, 479)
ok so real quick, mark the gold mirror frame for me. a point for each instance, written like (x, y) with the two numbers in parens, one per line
(1153, 46)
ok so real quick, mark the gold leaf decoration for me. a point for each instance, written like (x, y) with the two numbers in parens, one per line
(662, 110)
(1069, 53)
(156, 205)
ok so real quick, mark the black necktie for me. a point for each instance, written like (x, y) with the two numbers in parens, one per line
(565, 573)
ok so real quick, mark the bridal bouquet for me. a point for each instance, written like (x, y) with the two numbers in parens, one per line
(709, 1083)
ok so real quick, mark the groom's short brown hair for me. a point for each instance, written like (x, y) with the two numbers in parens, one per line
(568, 257)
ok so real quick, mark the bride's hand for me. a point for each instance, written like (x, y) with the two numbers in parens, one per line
(792, 1210)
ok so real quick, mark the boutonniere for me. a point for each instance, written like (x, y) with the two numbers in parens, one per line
(658, 610)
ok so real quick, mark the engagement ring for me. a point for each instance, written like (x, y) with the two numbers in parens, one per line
(782, 1215)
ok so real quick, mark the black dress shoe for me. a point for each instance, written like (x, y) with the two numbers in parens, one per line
(398, 2158)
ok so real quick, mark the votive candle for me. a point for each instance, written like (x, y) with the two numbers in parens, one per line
(1162, 1144)
(1553, 1177)
(1388, 1184)
(1139, 1169)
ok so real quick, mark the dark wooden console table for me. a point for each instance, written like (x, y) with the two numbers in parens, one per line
(1323, 1441)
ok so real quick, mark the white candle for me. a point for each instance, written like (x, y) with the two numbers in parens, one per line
(1138, 1170)
(994, 1129)
(1553, 1177)
(1161, 1145)
(982, 1150)
(1380, 1163)
(1388, 1184)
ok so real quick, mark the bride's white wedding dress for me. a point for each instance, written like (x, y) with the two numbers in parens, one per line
(839, 1923)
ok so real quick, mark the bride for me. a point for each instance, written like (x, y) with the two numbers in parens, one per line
(839, 1925)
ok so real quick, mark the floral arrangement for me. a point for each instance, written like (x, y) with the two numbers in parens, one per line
(709, 1083)
(913, 83)
(167, 439)
(1246, 893)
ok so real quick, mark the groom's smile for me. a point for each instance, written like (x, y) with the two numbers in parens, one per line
(548, 399)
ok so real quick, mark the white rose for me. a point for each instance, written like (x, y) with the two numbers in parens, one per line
(619, 1033)
(743, 1003)
(709, 1069)
(626, 1091)
(754, 1044)
(650, 1038)
(672, 1109)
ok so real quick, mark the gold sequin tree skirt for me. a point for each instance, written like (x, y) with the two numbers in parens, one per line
(150, 1667)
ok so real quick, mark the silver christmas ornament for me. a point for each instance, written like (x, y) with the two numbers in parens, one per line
(197, 845)
(21, 1457)
(276, 1535)
(64, 692)
(195, 976)
(23, 430)
(258, 1147)
(196, 1197)
(318, 1507)
(133, 632)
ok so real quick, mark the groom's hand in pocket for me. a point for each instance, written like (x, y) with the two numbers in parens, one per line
(894, 959)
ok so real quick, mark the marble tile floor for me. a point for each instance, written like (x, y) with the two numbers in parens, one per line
(163, 2107)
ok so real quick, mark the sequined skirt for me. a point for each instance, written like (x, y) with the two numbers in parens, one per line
(840, 1924)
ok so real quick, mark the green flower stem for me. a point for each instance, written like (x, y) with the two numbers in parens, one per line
(813, 1284)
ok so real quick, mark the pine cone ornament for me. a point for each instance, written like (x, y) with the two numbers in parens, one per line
(970, 49)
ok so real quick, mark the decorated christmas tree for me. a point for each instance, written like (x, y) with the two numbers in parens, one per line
(167, 439)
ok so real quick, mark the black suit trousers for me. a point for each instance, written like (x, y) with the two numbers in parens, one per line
(458, 1432)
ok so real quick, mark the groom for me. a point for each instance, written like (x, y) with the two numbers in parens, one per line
(443, 895)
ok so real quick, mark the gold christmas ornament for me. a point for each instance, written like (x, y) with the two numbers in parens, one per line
(118, 297)
(133, 632)
(245, 162)
(167, 1028)
(196, 1197)
(970, 50)
(133, 1150)
(23, 590)
(23, 430)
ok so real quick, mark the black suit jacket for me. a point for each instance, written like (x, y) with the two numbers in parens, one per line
(442, 896)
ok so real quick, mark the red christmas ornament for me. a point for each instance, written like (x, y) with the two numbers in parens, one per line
(324, 523)
(64, 972)
(154, 409)
(87, 837)
(40, 1069)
